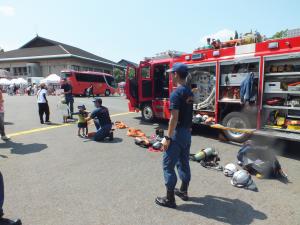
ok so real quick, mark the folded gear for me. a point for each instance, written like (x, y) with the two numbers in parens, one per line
(276, 101)
(142, 141)
(120, 125)
(132, 132)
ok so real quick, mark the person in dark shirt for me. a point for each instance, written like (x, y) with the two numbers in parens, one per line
(67, 87)
(91, 91)
(177, 142)
(102, 121)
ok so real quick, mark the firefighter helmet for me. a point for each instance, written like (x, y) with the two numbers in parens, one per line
(229, 170)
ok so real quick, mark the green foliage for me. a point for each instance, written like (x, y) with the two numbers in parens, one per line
(131, 73)
(146, 72)
(119, 75)
(280, 34)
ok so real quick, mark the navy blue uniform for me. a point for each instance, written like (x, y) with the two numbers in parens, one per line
(69, 97)
(178, 152)
(102, 122)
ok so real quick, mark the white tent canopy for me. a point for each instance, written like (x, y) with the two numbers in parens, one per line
(51, 79)
(4, 81)
(21, 81)
(14, 81)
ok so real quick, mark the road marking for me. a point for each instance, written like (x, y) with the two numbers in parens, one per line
(53, 127)
(37, 130)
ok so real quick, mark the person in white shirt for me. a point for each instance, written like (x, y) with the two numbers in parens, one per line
(43, 103)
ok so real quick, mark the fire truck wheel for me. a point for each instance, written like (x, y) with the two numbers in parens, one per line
(107, 92)
(236, 120)
(147, 113)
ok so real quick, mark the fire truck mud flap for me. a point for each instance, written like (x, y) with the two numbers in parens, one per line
(236, 120)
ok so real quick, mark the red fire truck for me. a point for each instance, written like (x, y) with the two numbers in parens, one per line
(218, 77)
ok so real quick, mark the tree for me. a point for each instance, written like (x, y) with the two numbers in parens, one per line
(119, 75)
(1, 50)
(280, 34)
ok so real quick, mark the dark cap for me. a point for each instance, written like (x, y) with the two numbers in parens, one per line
(99, 100)
(81, 107)
(179, 67)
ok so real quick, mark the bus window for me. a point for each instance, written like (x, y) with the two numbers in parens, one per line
(83, 77)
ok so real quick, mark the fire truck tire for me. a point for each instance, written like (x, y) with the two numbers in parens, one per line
(107, 92)
(236, 120)
(147, 113)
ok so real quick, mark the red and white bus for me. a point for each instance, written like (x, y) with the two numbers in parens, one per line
(103, 83)
(217, 75)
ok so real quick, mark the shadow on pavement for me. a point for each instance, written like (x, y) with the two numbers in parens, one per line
(53, 124)
(231, 211)
(115, 140)
(22, 149)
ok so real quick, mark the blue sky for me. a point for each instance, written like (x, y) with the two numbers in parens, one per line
(133, 29)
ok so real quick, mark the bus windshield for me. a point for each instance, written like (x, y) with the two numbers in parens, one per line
(110, 81)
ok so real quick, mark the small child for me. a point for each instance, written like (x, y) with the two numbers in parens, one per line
(82, 124)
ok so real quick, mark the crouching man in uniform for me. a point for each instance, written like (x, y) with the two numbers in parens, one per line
(178, 140)
(102, 121)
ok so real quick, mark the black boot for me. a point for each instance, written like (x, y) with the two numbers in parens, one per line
(111, 136)
(182, 192)
(5, 221)
(167, 201)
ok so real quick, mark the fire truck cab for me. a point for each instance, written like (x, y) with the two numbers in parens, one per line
(148, 86)
(254, 86)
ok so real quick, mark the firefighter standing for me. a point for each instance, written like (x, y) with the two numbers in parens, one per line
(178, 140)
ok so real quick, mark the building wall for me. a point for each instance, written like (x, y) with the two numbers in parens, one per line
(21, 68)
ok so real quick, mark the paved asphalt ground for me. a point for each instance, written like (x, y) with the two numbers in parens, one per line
(53, 177)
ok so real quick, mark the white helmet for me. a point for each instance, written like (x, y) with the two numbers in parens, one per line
(229, 170)
(243, 179)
